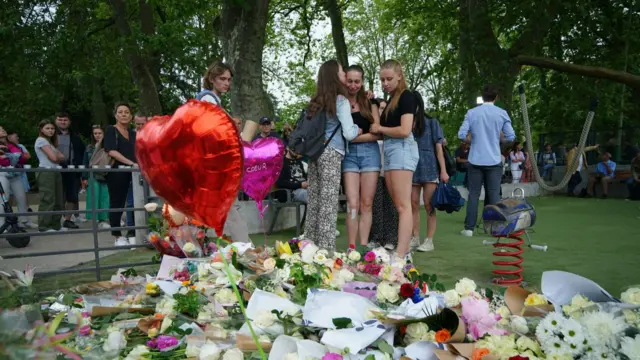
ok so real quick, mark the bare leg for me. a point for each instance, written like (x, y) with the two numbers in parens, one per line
(590, 185)
(428, 190)
(415, 209)
(401, 185)
(605, 185)
(368, 182)
(352, 190)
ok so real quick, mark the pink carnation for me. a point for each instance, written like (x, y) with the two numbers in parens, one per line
(332, 356)
(480, 321)
(370, 256)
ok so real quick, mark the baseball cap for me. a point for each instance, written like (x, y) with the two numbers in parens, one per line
(264, 120)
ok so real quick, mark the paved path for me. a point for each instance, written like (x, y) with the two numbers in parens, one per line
(58, 242)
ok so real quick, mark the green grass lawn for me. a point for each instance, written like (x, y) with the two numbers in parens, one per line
(598, 239)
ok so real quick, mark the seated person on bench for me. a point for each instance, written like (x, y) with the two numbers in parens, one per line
(605, 171)
(633, 183)
(293, 177)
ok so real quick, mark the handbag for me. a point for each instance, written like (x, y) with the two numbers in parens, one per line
(101, 158)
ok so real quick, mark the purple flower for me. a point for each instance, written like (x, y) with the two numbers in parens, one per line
(151, 344)
(164, 342)
(332, 356)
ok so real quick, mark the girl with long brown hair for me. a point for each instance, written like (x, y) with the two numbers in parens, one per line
(49, 183)
(96, 187)
(330, 100)
(403, 116)
(361, 165)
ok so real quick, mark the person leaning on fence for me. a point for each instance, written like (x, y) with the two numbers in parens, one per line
(49, 183)
(96, 188)
(72, 148)
(120, 143)
(12, 155)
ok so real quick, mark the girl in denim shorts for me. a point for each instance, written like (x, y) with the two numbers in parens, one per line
(361, 164)
(431, 168)
(402, 118)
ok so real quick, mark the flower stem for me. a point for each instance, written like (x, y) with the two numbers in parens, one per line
(241, 303)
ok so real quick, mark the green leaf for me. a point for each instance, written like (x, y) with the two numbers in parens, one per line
(370, 357)
(341, 323)
(434, 277)
(68, 299)
(280, 263)
(385, 347)
(440, 287)
(488, 293)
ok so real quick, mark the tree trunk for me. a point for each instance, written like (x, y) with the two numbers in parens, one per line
(140, 69)
(242, 34)
(337, 31)
(99, 110)
(151, 54)
(468, 70)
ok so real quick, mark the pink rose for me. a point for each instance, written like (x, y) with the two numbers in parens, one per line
(332, 356)
(370, 256)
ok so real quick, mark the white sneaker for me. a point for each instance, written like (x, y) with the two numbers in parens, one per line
(29, 224)
(399, 262)
(408, 258)
(121, 241)
(51, 230)
(337, 233)
(468, 233)
(389, 247)
(104, 225)
(301, 237)
(415, 242)
(427, 245)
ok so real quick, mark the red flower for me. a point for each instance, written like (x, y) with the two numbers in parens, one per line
(406, 290)
(518, 357)
(403, 329)
(339, 262)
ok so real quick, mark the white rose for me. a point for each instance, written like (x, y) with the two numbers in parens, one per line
(233, 354)
(226, 296)
(451, 298)
(192, 350)
(150, 207)
(291, 356)
(346, 275)
(137, 353)
(388, 292)
(265, 319)
(209, 351)
(189, 248)
(115, 342)
(465, 287)
(630, 316)
(417, 331)
(269, 264)
(166, 323)
(631, 296)
(355, 256)
(319, 258)
(519, 325)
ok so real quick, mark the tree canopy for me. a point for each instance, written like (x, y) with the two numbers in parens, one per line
(82, 56)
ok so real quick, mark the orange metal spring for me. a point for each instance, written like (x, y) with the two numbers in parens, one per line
(509, 276)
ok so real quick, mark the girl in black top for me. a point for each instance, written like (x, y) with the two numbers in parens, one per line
(403, 116)
(361, 164)
(120, 144)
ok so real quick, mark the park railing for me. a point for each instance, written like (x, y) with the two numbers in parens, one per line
(141, 195)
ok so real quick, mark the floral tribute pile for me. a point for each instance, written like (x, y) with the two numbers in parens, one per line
(230, 301)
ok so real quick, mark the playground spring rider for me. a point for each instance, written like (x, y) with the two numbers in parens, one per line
(509, 219)
(11, 224)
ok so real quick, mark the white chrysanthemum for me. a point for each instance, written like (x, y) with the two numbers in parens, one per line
(465, 286)
(573, 335)
(555, 345)
(319, 258)
(265, 319)
(600, 353)
(559, 356)
(602, 329)
(631, 296)
(631, 347)
(554, 321)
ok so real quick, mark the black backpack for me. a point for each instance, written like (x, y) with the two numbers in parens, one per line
(449, 161)
(307, 139)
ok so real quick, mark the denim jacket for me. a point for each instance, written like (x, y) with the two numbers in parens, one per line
(343, 118)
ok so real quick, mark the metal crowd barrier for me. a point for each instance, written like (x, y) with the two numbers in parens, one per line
(141, 195)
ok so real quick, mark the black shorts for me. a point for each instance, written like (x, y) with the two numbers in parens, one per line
(70, 187)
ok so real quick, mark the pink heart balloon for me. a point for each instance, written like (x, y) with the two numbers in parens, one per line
(262, 166)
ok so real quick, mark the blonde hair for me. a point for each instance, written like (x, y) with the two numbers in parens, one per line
(402, 84)
(213, 71)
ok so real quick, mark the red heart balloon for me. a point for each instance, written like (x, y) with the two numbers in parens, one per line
(193, 160)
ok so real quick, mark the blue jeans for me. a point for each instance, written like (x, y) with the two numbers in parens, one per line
(491, 177)
(130, 217)
(546, 168)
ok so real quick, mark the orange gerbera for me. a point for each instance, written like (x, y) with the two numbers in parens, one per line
(443, 335)
(479, 353)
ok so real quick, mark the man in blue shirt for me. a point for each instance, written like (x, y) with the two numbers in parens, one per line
(265, 129)
(605, 171)
(481, 128)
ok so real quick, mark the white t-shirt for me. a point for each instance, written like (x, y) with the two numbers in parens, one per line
(42, 156)
(211, 99)
(580, 163)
